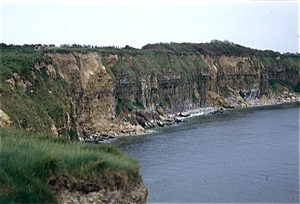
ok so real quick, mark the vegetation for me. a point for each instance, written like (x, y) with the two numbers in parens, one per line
(165, 102)
(42, 102)
(47, 100)
(30, 160)
(280, 85)
(35, 99)
(125, 105)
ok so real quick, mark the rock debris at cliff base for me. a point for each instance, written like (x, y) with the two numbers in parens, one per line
(79, 92)
(76, 92)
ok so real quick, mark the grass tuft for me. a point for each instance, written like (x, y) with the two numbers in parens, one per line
(29, 160)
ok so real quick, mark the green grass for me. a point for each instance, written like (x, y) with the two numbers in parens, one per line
(125, 105)
(29, 160)
(280, 85)
(48, 100)
(44, 102)
(165, 102)
(20, 60)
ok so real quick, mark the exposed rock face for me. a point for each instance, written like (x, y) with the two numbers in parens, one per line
(19, 81)
(91, 88)
(136, 195)
(98, 191)
(102, 86)
(98, 100)
(50, 68)
(4, 120)
(216, 100)
(237, 73)
(123, 92)
(114, 91)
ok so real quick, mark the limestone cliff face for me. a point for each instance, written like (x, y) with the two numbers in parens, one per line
(98, 84)
(115, 91)
(237, 73)
(4, 119)
(75, 92)
(171, 83)
(104, 87)
(91, 88)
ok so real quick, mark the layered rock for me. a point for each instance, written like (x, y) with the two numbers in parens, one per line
(106, 87)
(136, 195)
(123, 92)
(91, 93)
(4, 120)
(114, 92)
(98, 192)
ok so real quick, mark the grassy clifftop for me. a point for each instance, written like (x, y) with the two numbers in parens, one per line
(39, 106)
(46, 94)
(282, 68)
(35, 95)
(34, 166)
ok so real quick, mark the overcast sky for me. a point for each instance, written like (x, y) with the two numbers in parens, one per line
(270, 25)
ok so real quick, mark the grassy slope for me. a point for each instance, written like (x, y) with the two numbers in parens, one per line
(290, 63)
(29, 160)
(35, 108)
(39, 109)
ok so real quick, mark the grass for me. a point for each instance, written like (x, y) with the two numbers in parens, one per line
(48, 100)
(44, 101)
(280, 85)
(29, 160)
(165, 102)
(125, 105)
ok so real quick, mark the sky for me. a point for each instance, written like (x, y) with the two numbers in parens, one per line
(264, 25)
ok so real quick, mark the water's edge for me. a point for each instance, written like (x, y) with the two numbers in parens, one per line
(240, 155)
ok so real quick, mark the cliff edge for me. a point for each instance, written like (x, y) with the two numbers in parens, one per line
(77, 92)
(95, 93)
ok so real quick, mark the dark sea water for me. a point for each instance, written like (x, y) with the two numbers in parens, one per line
(239, 156)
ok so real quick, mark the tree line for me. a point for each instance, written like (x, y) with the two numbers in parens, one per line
(4, 45)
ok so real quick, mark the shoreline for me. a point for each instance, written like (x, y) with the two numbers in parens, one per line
(250, 104)
(218, 109)
(168, 119)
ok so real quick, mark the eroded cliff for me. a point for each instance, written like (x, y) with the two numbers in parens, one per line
(78, 92)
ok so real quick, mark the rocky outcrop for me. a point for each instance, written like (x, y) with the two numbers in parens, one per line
(216, 100)
(123, 92)
(92, 94)
(113, 92)
(136, 195)
(98, 92)
(120, 93)
(4, 120)
(98, 191)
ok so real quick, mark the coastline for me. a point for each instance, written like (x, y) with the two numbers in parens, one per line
(159, 119)
(139, 193)
(285, 98)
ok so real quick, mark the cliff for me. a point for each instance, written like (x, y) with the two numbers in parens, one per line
(77, 92)
(42, 168)
(80, 91)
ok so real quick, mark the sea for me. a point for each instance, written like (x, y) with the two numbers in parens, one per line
(248, 155)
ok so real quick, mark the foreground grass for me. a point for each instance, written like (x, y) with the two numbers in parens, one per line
(29, 160)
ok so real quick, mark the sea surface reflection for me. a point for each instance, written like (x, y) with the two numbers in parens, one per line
(246, 155)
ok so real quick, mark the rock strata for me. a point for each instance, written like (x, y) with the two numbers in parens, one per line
(4, 120)
(138, 194)
(98, 191)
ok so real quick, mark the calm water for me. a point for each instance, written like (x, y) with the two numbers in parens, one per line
(248, 155)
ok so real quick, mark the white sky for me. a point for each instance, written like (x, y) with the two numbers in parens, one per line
(270, 25)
